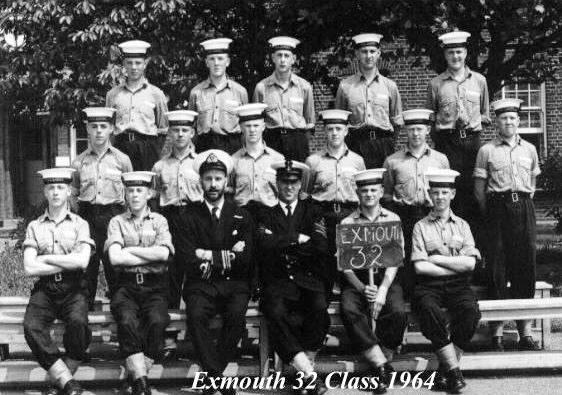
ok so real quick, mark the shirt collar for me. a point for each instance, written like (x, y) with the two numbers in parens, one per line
(219, 206)
(264, 151)
(452, 217)
(143, 85)
(292, 205)
(447, 73)
(45, 216)
(190, 153)
(210, 84)
(499, 141)
(326, 152)
(358, 214)
(130, 215)
(90, 150)
(426, 150)
(272, 80)
(360, 76)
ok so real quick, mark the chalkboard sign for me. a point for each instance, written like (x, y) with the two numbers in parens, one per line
(369, 245)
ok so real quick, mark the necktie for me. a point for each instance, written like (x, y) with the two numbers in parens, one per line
(214, 216)
(288, 210)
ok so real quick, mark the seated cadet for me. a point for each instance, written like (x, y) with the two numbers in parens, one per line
(217, 243)
(178, 186)
(444, 256)
(292, 238)
(385, 299)
(57, 248)
(139, 245)
(331, 185)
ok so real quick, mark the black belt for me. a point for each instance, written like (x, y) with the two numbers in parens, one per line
(449, 278)
(132, 135)
(371, 133)
(90, 206)
(412, 209)
(510, 196)
(460, 133)
(141, 278)
(62, 276)
(335, 206)
(284, 131)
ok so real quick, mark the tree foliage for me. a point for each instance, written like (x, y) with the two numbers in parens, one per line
(70, 57)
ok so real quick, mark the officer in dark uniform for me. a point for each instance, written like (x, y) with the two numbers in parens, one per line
(217, 243)
(139, 244)
(292, 238)
(57, 248)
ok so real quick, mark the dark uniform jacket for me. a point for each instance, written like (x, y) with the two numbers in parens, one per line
(282, 257)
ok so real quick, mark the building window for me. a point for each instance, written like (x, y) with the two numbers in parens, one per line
(532, 126)
(78, 140)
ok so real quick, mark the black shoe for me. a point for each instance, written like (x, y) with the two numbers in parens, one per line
(455, 381)
(52, 391)
(169, 355)
(140, 387)
(384, 374)
(440, 383)
(526, 343)
(497, 344)
(72, 388)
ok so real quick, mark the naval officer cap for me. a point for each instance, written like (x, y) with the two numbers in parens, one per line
(138, 178)
(290, 170)
(454, 39)
(216, 46)
(417, 116)
(250, 112)
(134, 48)
(283, 43)
(367, 40)
(335, 116)
(441, 178)
(213, 159)
(506, 105)
(181, 117)
(99, 114)
(369, 177)
(57, 175)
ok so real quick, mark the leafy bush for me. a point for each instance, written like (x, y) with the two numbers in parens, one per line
(13, 281)
(550, 181)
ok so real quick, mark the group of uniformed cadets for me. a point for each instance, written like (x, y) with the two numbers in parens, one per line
(262, 223)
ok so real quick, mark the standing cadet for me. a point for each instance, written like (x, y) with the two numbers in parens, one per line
(178, 185)
(56, 248)
(215, 99)
(459, 97)
(292, 238)
(101, 195)
(289, 117)
(444, 256)
(405, 185)
(374, 102)
(253, 179)
(505, 174)
(384, 299)
(331, 185)
(140, 109)
(139, 244)
(218, 244)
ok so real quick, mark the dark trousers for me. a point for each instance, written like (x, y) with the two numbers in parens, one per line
(431, 295)
(204, 300)
(98, 217)
(511, 247)
(391, 322)
(297, 318)
(143, 150)
(141, 314)
(293, 143)
(373, 144)
(229, 143)
(67, 301)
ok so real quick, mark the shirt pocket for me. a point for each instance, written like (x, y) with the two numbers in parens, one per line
(324, 181)
(67, 240)
(148, 237)
(456, 243)
(473, 104)
(381, 110)
(348, 181)
(447, 109)
(499, 170)
(113, 186)
(405, 185)
(229, 115)
(147, 108)
(524, 166)
(296, 105)
(434, 246)
(169, 185)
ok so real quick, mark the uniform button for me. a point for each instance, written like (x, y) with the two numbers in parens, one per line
(56, 241)
(99, 193)
(217, 107)
(288, 266)
(369, 115)
(256, 176)
(228, 278)
(291, 278)
(181, 175)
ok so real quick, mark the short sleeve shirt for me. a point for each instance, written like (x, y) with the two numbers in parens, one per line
(331, 178)
(377, 104)
(98, 178)
(404, 180)
(449, 237)
(49, 237)
(216, 106)
(289, 108)
(149, 231)
(459, 105)
(253, 178)
(507, 168)
(141, 110)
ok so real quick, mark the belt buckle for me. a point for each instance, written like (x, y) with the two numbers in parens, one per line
(140, 278)
(337, 207)
(283, 131)
(58, 277)
(514, 197)
(462, 134)
(131, 136)
(372, 134)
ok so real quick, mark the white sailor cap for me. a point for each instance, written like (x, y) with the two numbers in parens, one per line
(213, 159)
(249, 112)
(506, 105)
(134, 48)
(216, 45)
(100, 114)
(335, 116)
(57, 175)
(441, 178)
(369, 177)
(283, 42)
(181, 117)
(417, 116)
(137, 178)
(367, 40)
(454, 39)
(290, 170)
